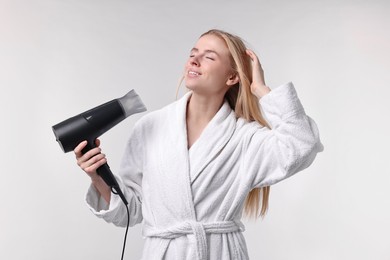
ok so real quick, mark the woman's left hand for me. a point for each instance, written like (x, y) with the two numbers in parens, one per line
(258, 87)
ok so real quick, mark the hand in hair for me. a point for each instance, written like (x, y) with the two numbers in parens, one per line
(258, 87)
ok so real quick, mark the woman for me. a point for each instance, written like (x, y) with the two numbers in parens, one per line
(191, 168)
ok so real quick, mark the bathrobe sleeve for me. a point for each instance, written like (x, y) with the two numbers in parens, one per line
(129, 178)
(289, 147)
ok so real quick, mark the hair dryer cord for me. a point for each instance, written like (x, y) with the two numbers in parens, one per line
(127, 230)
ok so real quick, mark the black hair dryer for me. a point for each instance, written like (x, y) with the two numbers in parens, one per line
(95, 122)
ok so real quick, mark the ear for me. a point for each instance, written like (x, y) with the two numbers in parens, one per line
(233, 80)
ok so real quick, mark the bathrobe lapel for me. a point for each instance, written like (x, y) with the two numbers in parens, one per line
(212, 140)
(180, 167)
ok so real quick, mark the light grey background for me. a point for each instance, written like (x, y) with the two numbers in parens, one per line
(60, 58)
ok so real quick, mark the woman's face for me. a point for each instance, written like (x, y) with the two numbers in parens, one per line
(208, 68)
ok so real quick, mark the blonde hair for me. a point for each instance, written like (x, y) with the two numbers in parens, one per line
(245, 105)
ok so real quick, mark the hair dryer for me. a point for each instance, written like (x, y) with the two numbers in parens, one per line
(95, 122)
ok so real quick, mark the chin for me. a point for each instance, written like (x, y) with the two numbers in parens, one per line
(190, 86)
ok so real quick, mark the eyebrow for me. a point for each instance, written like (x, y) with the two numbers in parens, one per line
(207, 51)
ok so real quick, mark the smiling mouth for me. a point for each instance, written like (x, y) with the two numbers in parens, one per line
(193, 73)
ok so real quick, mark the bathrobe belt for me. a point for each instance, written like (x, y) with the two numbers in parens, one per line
(198, 229)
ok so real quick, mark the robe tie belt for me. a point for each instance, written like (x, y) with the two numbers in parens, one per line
(198, 229)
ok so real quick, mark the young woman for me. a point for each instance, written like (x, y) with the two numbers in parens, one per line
(191, 168)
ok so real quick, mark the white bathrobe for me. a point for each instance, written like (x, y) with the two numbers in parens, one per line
(191, 200)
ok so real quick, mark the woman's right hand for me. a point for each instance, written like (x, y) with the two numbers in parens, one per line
(91, 160)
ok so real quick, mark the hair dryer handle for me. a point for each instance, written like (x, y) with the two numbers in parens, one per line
(105, 173)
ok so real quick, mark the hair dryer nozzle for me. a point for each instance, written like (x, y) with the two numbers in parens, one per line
(131, 103)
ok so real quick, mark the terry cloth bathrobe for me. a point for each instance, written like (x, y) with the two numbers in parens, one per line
(191, 200)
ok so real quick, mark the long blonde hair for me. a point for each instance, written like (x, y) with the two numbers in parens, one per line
(245, 105)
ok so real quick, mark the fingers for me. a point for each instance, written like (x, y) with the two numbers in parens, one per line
(257, 70)
(93, 163)
(253, 56)
(79, 148)
(258, 87)
(256, 65)
(91, 160)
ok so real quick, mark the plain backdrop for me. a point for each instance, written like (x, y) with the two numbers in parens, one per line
(59, 58)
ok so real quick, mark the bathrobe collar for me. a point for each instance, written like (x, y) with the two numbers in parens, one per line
(212, 139)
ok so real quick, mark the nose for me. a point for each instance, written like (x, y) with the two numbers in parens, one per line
(194, 61)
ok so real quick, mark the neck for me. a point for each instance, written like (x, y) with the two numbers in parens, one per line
(201, 109)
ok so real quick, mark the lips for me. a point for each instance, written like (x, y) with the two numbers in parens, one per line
(193, 73)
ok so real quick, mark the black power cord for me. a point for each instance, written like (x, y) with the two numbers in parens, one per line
(113, 190)
(127, 230)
